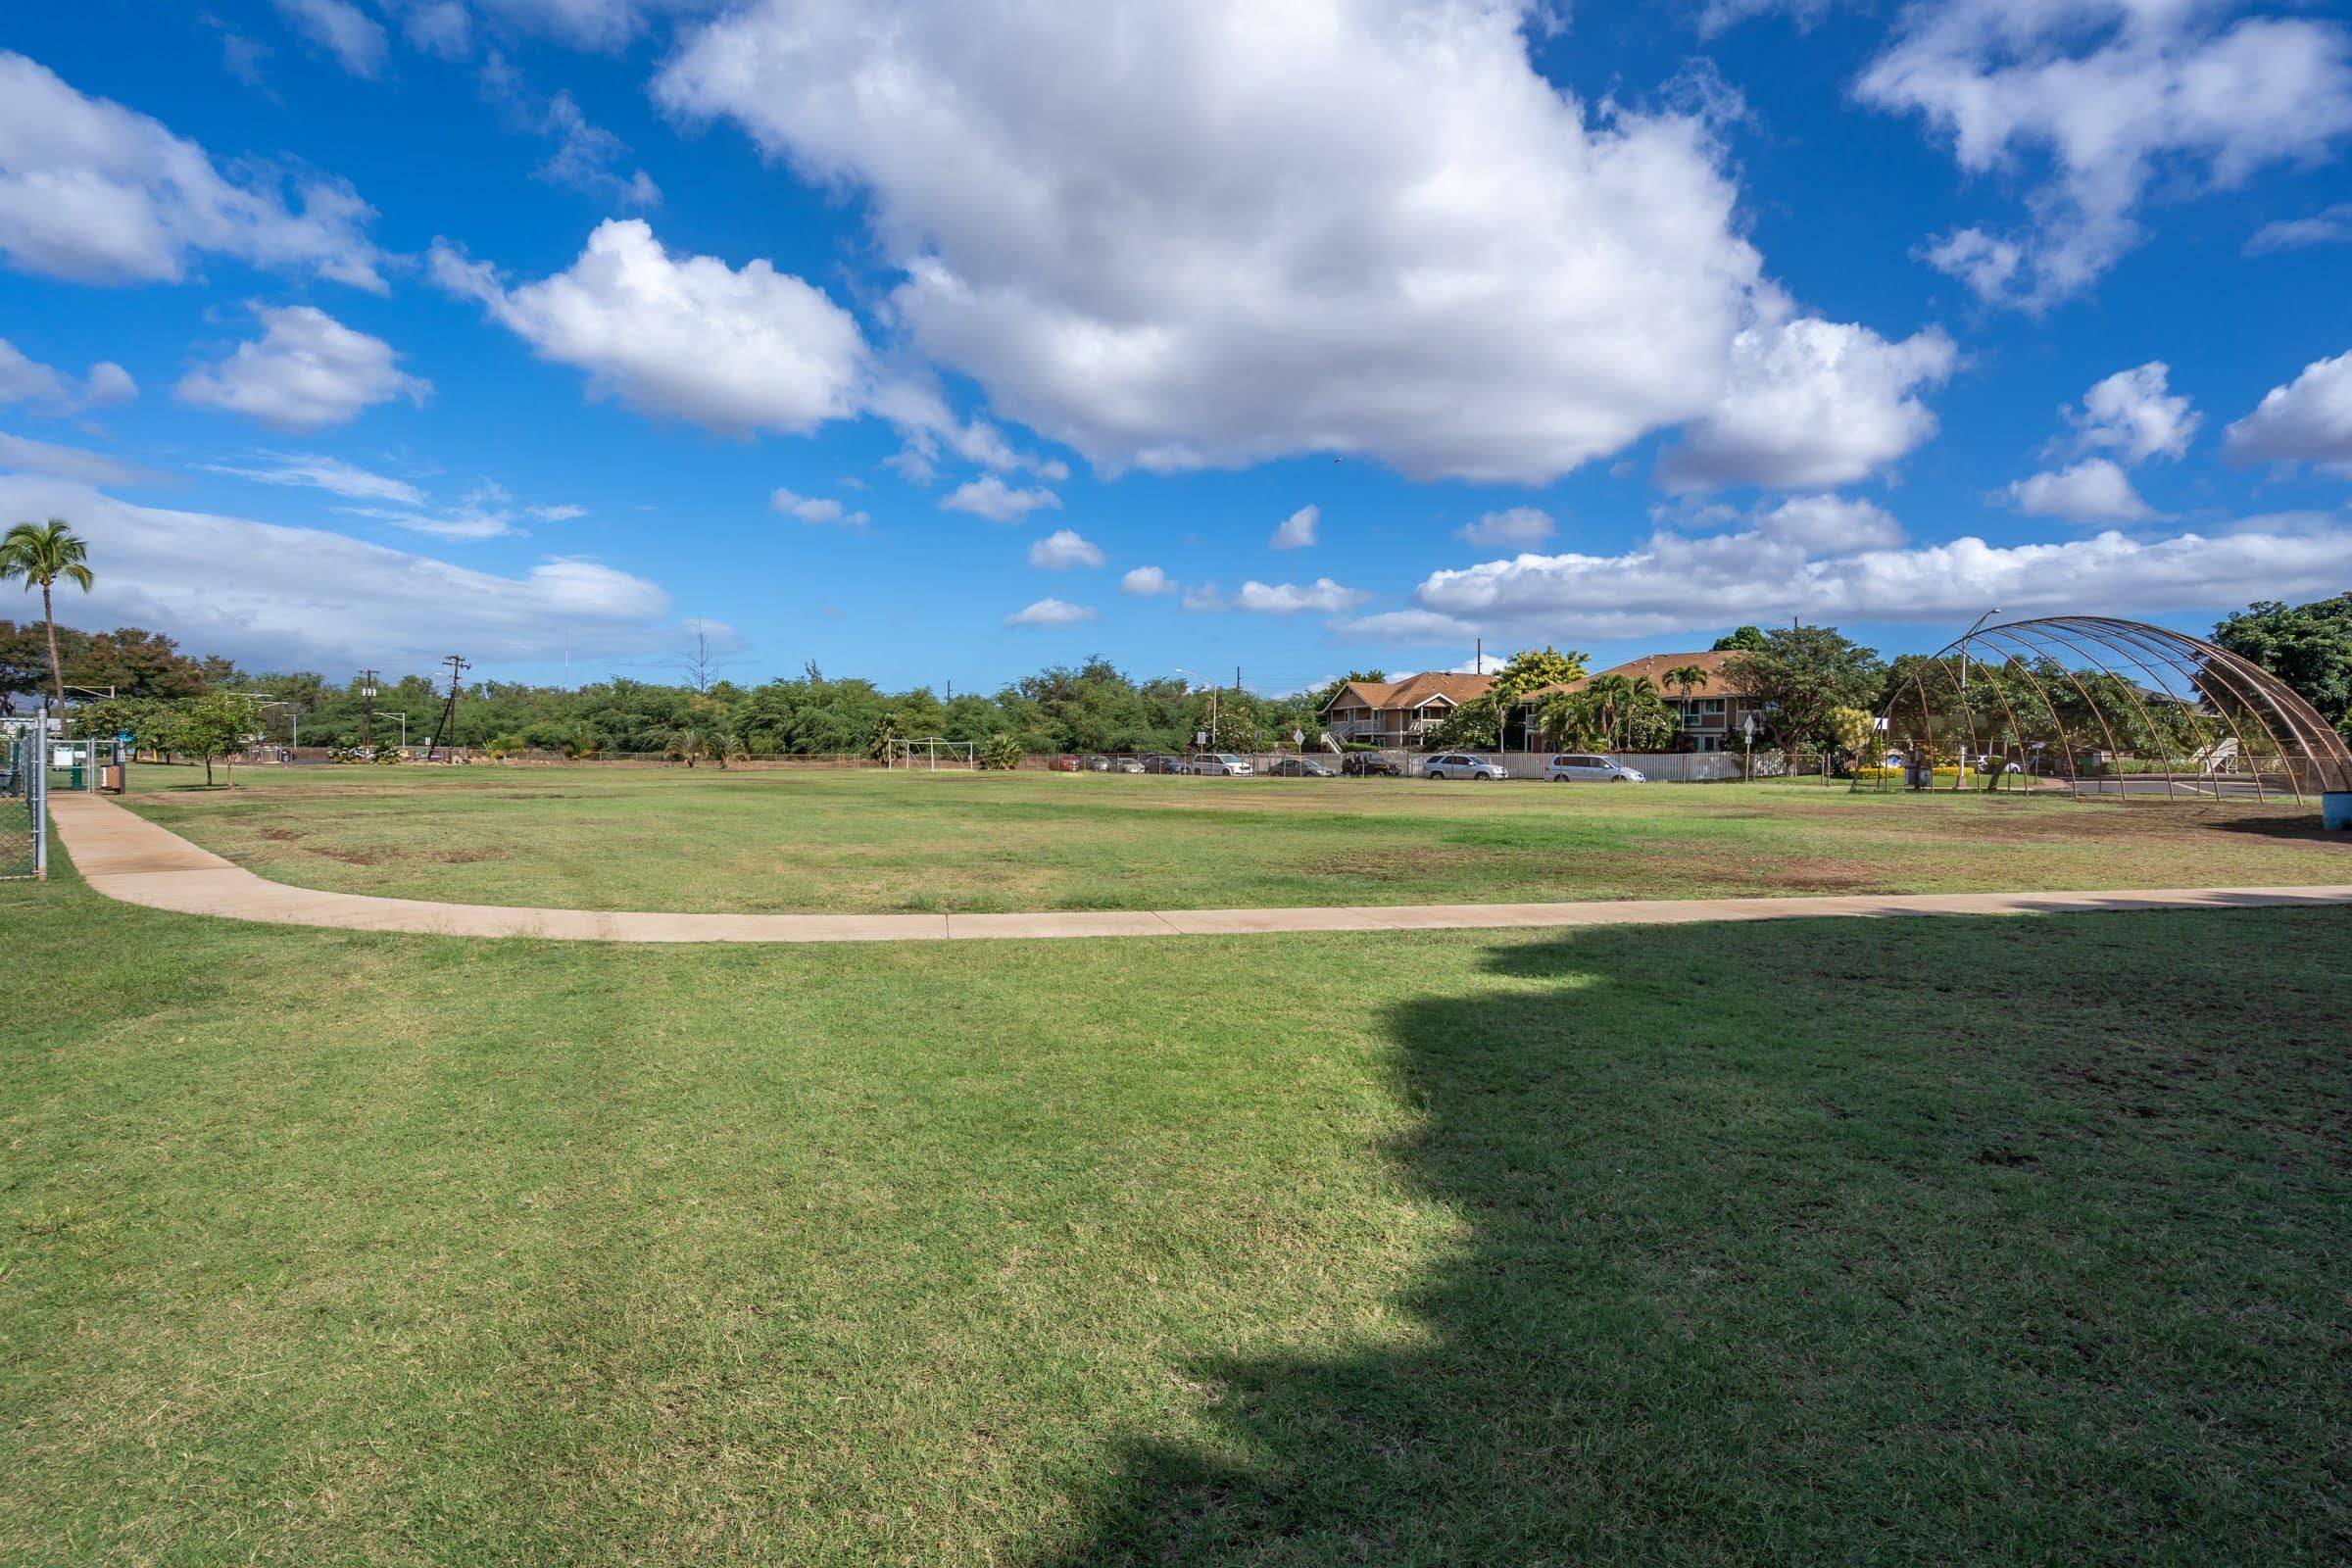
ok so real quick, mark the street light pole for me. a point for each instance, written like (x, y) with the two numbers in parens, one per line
(1966, 635)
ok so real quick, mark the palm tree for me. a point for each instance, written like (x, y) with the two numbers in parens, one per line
(1571, 719)
(1686, 679)
(42, 554)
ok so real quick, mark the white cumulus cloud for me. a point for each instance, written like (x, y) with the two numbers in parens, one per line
(94, 192)
(307, 371)
(27, 380)
(2094, 490)
(1516, 526)
(1050, 612)
(734, 350)
(1811, 402)
(1287, 598)
(1221, 231)
(281, 598)
(1413, 626)
(585, 23)
(341, 29)
(992, 498)
(1063, 549)
(2333, 227)
(815, 509)
(1776, 564)
(2134, 415)
(2116, 96)
(1298, 531)
(440, 27)
(1146, 582)
(22, 455)
(2306, 421)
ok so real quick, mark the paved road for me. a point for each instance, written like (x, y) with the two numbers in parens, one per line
(132, 860)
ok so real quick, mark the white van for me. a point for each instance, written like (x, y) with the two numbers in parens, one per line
(1584, 767)
(1221, 765)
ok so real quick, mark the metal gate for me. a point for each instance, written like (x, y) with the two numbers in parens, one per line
(24, 800)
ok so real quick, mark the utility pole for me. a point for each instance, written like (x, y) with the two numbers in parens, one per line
(367, 713)
(449, 709)
(1478, 660)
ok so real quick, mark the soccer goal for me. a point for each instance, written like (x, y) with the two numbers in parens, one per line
(929, 756)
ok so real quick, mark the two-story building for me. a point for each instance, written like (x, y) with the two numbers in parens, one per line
(1708, 714)
(1399, 712)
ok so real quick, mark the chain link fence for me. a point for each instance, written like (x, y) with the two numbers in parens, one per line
(23, 801)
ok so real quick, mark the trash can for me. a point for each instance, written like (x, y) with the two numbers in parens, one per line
(110, 777)
(2336, 811)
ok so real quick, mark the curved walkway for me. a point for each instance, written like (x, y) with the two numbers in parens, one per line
(130, 859)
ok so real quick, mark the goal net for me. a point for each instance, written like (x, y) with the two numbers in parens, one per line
(929, 756)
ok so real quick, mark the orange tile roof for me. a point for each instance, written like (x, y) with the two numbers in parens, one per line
(1655, 666)
(1415, 690)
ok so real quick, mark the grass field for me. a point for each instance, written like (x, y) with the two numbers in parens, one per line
(869, 841)
(1994, 1241)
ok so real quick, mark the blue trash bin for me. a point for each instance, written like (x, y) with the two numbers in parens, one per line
(2336, 811)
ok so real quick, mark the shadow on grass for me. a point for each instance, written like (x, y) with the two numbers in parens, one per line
(2292, 824)
(1925, 1242)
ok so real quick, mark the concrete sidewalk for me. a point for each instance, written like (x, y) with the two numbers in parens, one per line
(130, 859)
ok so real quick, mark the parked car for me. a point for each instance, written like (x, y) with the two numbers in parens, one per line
(1588, 766)
(1369, 764)
(1097, 765)
(1159, 762)
(1220, 765)
(1461, 764)
(1126, 764)
(1299, 768)
(1065, 764)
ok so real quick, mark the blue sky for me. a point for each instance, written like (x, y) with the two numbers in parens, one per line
(936, 343)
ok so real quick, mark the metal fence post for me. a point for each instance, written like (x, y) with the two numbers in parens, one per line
(39, 796)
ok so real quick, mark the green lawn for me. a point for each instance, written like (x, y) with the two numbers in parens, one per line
(1998, 1241)
(867, 841)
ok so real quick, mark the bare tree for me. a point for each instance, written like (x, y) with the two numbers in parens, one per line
(700, 667)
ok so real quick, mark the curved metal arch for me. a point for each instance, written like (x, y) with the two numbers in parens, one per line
(2200, 677)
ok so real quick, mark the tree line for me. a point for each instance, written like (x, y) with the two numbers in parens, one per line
(1093, 707)
(1819, 689)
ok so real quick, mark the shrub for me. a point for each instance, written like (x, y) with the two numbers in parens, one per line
(1944, 770)
(1001, 752)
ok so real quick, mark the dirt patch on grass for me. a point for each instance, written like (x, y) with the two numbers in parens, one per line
(352, 856)
(1818, 874)
(1404, 865)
